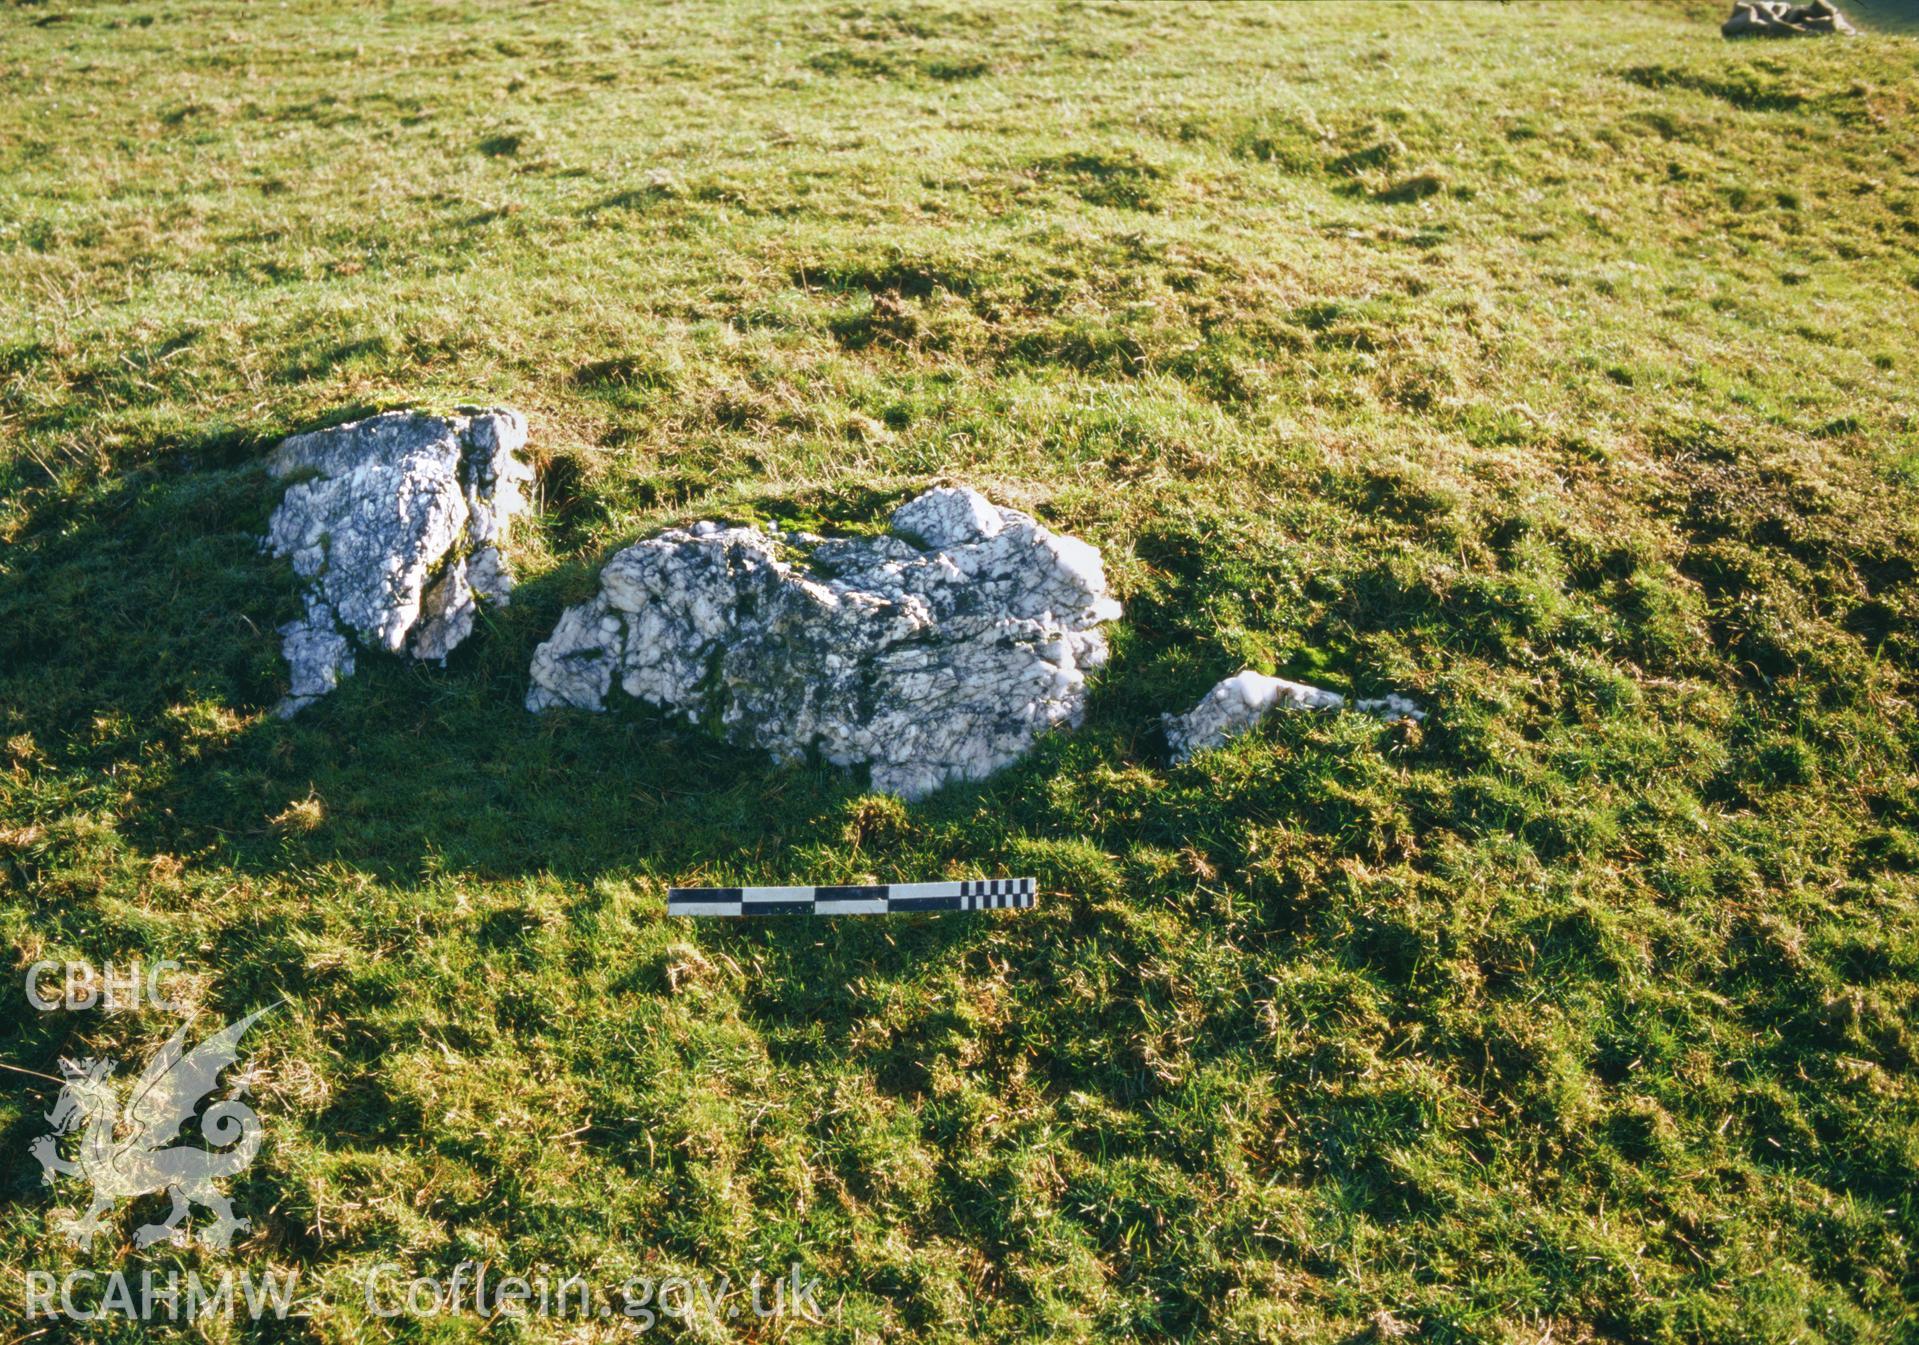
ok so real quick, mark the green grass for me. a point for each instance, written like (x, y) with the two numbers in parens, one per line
(1553, 364)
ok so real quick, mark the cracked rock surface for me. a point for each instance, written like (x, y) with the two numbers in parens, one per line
(1239, 703)
(394, 523)
(938, 652)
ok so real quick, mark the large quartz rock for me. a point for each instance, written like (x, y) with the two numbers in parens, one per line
(1239, 703)
(395, 523)
(937, 652)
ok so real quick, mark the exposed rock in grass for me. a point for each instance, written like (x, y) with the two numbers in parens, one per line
(1240, 702)
(395, 523)
(1778, 18)
(938, 652)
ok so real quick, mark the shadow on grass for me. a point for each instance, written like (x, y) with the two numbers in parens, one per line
(153, 584)
(139, 655)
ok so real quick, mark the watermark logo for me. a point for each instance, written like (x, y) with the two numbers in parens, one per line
(477, 1289)
(125, 1151)
(81, 985)
(85, 1296)
(129, 1142)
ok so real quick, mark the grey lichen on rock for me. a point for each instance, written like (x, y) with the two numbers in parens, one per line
(395, 524)
(1237, 705)
(938, 652)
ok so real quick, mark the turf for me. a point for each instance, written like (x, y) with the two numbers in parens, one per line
(1552, 364)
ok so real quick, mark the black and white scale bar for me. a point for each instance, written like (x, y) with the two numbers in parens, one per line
(975, 894)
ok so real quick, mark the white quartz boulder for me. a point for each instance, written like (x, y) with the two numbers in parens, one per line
(938, 652)
(394, 523)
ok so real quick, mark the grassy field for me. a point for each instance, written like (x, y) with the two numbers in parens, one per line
(1557, 365)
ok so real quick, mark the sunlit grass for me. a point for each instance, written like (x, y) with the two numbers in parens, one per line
(1552, 364)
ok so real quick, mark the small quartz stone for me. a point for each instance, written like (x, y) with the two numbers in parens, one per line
(1239, 703)
(1781, 18)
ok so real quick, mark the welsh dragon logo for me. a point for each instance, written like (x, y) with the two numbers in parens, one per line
(129, 1152)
